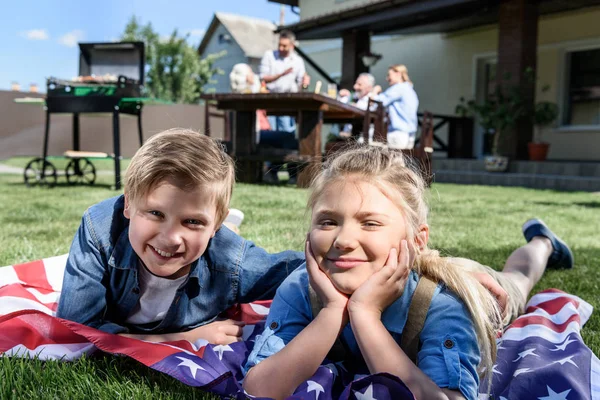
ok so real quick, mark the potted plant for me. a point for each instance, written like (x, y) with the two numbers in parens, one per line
(496, 114)
(544, 114)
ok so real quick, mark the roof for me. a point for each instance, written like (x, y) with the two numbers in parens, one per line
(254, 35)
(413, 16)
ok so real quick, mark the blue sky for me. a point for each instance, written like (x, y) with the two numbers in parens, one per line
(39, 37)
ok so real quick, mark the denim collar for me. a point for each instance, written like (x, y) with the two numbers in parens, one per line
(123, 257)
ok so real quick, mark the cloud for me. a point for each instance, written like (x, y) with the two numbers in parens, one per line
(197, 32)
(35, 34)
(71, 39)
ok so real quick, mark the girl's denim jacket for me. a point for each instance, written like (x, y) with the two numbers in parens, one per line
(100, 286)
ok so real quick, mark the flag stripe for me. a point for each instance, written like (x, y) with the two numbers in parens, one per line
(595, 378)
(8, 276)
(33, 273)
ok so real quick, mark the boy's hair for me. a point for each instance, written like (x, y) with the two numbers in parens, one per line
(186, 159)
(392, 173)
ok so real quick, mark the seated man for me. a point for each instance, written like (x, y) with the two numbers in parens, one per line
(363, 86)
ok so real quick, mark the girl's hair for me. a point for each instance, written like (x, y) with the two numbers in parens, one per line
(401, 68)
(391, 172)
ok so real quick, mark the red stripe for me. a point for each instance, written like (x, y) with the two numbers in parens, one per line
(32, 329)
(245, 312)
(33, 274)
(540, 320)
(146, 353)
(17, 290)
(554, 306)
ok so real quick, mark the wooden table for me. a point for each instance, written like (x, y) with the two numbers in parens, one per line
(311, 110)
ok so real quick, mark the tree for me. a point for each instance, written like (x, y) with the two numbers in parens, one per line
(174, 71)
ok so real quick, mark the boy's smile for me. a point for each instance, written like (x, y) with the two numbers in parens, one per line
(353, 228)
(170, 228)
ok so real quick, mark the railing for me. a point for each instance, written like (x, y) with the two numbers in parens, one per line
(460, 135)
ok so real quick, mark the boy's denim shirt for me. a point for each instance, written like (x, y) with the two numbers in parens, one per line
(100, 287)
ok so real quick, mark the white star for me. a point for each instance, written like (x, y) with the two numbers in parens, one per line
(523, 354)
(186, 362)
(315, 387)
(564, 345)
(495, 371)
(502, 398)
(566, 360)
(367, 395)
(521, 371)
(333, 369)
(552, 395)
(220, 349)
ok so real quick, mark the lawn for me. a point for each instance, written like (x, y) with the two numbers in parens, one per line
(478, 222)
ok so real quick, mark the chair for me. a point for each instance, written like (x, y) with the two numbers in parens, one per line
(211, 111)
(377, 115)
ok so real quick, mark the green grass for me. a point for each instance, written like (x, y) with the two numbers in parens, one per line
(479, 222)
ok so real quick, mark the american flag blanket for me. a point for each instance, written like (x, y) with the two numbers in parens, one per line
(541, 355)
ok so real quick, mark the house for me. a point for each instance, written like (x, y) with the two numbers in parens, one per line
(244, 39)
(460, 48)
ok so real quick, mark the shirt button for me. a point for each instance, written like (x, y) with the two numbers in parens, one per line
(273, 325)
(136, 290)
(448, 344)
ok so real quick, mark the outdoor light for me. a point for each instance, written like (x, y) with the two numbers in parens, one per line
(369, 59)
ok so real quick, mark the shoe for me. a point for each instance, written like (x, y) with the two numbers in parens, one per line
(235, 217)
(562, 256)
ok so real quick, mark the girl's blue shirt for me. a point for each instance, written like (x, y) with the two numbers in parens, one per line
(448, 353)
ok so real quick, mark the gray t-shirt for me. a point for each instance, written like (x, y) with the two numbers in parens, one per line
(156, 296)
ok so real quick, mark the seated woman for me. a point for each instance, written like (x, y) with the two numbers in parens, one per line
(402, 103)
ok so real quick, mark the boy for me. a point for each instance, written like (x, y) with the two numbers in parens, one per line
(155, 263)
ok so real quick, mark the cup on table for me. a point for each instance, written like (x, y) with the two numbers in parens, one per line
(332, 90)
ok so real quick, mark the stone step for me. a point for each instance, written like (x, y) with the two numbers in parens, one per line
(535, 181)
(559, 168)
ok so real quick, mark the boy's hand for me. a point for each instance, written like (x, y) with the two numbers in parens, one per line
(320, 282)
(495, 289)
(384, 286)
(219, 332)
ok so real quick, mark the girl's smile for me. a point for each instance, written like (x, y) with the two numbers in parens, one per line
(353, 228)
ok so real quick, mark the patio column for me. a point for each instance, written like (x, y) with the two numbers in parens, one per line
(517, 51)
(355, 44)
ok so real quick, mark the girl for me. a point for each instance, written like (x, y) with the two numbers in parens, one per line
(365, 255)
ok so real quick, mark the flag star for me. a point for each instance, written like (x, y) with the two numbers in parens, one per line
(502, 398)
(315, 387)
(552, 395)
(523, 354)
(495, 371)
(333, 369)
(367, 395)
(566, 360)
(186, 362)
(521, 371)
(564, 345)
(220, 349)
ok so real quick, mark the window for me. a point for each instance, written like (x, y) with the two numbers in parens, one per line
(224, 38)
(582, 100)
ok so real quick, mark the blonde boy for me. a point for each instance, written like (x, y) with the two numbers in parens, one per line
(156, 263)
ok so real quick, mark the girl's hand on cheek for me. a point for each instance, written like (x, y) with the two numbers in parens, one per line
(384, 286)
(322, 285)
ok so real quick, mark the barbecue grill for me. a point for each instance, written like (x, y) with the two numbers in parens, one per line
(111, 79)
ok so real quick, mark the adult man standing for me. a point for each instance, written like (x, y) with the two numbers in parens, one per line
(283, 71)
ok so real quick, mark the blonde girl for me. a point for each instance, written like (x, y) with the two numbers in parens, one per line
(366, 253)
